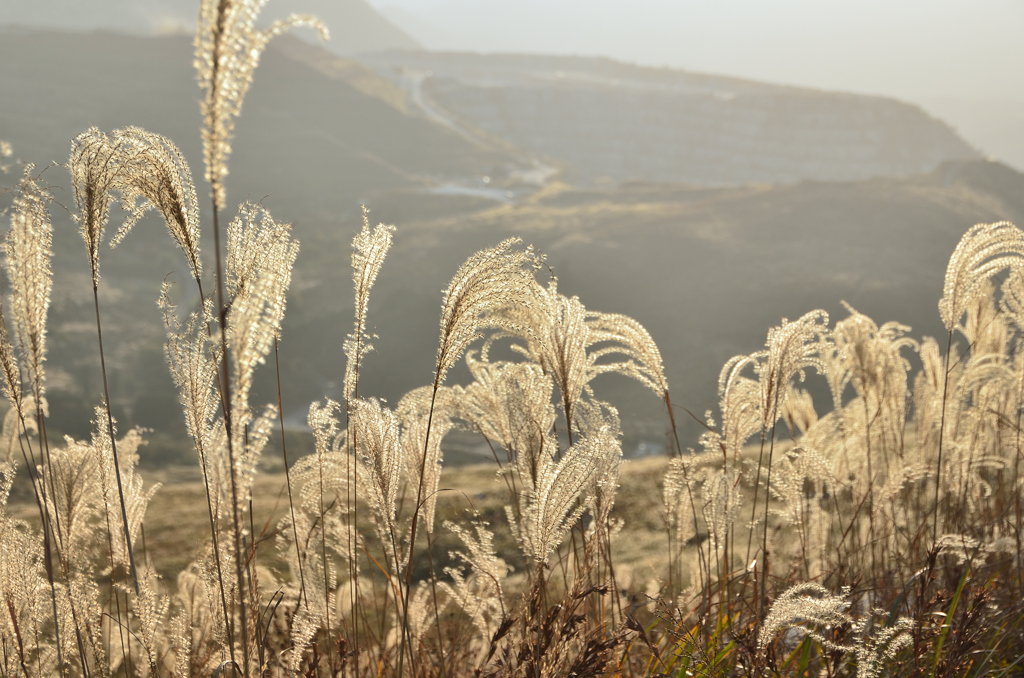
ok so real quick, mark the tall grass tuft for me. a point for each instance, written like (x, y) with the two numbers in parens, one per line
(881, 536)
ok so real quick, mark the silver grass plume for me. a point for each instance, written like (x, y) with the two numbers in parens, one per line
(982, 252)
(413, 412)
(375, 429)
(73, 475)
(599, 423)
(557, 336)
(595, 415)
(740, 403)
(569, 343)
(94, 166)
(722, 500)
(928, 392)
(261, 253)
(799, 469)
(368, 251)
(318, 528)
(25, 593)
(806, 603)
(566, 351)
(630, 339)
(870, 352)
(812, 604)
(510, 403)
(488, 280)
(798, 411)
(11, 434)
(228, 47)
(420, 618)
(792, 348)
(193, 370)
(873, 651)
(326, 470)
(28, 250)
(984, 324)
(136, 499)
(11, 368)
(17, 424)
(157, 177)
(675, 497)
(151, 608)
(1012, 301)
(479, 591)
(551, 507)
(870, 358)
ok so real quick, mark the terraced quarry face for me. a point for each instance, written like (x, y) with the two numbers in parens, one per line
(609, 121)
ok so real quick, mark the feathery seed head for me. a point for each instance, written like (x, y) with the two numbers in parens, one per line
(95, 165)
(510, 403)
(489, 279)
(722, 499)
(869, 357)
(739, 401)
(982, 252)
(675, 498)
(9, 365)
(550, 507)
(368, 251)
(375, 431)
(28, 250)
(798, 411)
(156, 175)
(193, 369)
(606, 449)
(261, 253)
(792, 348)
(806, 603)
(631, 339)
(479, 593)
(228, 47)
(565, 350)
(414, 412)
(873, 651)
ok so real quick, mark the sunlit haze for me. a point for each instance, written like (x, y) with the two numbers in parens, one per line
(911, 48)
(962, 61)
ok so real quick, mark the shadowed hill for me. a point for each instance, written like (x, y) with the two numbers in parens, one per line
(707, 270)
(312, 143)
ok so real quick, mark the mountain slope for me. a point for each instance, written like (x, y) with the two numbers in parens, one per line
(707, 270)
(606, 120)
(354, 25)
(311, 145)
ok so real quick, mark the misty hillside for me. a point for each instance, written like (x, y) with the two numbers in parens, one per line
(707, 270)
(335, 129)
(354, 25)
(608, 120)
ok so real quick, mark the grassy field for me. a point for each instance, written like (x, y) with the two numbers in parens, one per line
(853, 505)
(177, 524)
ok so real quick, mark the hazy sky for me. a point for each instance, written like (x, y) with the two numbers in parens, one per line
(912, 49)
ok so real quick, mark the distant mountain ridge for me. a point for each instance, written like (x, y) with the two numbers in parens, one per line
(354, 25)
(606, 120)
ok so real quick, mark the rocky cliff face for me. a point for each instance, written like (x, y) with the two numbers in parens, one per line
(605, 120)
